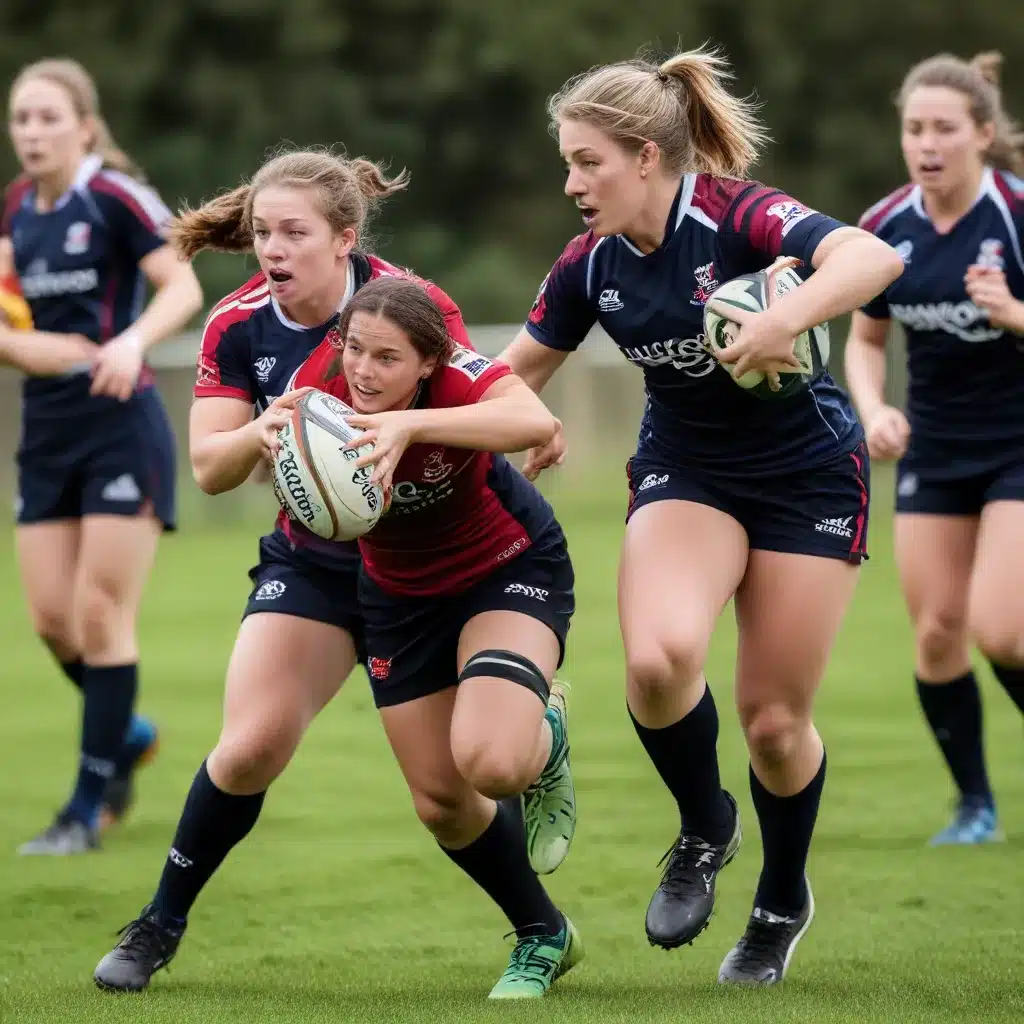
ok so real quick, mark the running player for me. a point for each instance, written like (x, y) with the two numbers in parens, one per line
(960, 481)
(302, 631)
(466, 592)
(96, 459)
(765, 502)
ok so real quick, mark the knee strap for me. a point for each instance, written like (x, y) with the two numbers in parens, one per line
(511, 666)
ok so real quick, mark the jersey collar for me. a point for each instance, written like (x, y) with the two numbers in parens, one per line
(676, 215)
(350, 290)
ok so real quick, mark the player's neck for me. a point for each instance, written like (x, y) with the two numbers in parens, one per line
(947, 207)
(51, 187)
(650, 229)
(320, 308)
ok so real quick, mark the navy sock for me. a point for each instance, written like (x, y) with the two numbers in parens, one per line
(498, 862)
(106, 711)
(73, 670)
(787, 824)
(953, 710)
(685, 755)
(211, 823)
(1012, 680)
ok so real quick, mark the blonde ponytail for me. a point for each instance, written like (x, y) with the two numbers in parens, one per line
(223, 224)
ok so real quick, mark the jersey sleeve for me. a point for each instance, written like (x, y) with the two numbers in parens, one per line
(136, 214)
(764, 222)
(452, 314)
(322, 369)
(222, 363)
(465, 379)
(563, 314)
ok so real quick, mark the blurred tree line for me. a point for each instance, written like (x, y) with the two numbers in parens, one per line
(200, 91)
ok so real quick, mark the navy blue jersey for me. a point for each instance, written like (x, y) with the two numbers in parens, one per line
(652, 306)
(966, 377)
(78, 264)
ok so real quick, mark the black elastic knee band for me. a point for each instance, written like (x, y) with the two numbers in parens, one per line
(508, 665)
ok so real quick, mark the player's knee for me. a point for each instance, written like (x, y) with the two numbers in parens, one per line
(438, 810)
(55, 627)
(250, 760)
(941, 638)
(772, 729)
(493, 768)
(100, 619)
(659, 669)
(1001, 642)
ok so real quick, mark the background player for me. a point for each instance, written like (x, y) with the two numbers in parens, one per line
(301, 634)
(730, 497)
(96, 460)
(467, 592)
(960, 490)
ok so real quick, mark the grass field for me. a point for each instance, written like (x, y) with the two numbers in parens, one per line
(339, 908)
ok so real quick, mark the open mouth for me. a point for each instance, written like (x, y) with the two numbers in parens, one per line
(930, 166)
(588, 213)
(365, 392)
(279, 276)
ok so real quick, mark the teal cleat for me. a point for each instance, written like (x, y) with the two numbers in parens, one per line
(537, 962)
(975, 823)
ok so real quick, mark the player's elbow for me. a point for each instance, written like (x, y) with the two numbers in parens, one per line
(205, 475)
(190, 291)
(886, 258)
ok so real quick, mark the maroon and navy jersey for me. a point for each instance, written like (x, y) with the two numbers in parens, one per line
(652, 306)
(252, 351)
(78, 263)
(455, 515)
(966, 376)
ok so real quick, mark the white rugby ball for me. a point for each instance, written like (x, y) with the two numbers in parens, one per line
(756, 292)
(315, 478)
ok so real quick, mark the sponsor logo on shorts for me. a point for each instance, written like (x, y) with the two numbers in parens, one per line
(907, 487)
(837, 527)
(536, 593)
(379, 668)
(652, 480)
(123, 488)
(269, 590)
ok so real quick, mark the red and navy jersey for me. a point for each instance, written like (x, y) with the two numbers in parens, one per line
(252, 351)
(966, 376)
(78, 263)
(652, 306)
(455, 515)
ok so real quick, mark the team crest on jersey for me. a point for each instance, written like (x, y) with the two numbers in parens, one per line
(471, 363)
(435, 469)
(706, 283)
(264, 367)
(904, 250)
(990, 254)
(76, 241)
(790, 213)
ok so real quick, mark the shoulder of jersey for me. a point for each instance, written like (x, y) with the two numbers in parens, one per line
(239, 305)
(381, 268)
(1011, 187)
(712, 197)
(139, 197)
(468, 363)
(878, 215)
(15, 191)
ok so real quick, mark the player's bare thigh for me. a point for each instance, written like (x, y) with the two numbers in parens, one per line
(935, 557)
(681, 562)
(283, 670)
(48, 562)
(996, 598)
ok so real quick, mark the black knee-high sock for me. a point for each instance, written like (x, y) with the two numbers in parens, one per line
(686, 757)
(73, 670)
(953, 711)
(497, 861)
(1012, 680)
(106, 711)
(787, 824)
(211, 823)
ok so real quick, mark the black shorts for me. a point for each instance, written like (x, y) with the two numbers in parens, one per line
(290, 586)
(822, 511)
(956, 485)
(413, 641)
(118, 460)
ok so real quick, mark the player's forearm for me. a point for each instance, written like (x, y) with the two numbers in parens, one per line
(511, 423)
(533, 363)
(864, 364)
(224, 460)
(171, 308)
(43, 354)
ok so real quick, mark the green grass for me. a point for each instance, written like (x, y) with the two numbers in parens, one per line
(340, 908)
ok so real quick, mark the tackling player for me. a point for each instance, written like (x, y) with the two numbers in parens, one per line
(960, 480)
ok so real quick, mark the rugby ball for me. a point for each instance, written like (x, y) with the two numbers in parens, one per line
(756, 292)
(315, 477)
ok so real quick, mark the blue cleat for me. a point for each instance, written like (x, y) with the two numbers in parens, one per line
(141, 744)
(975, 823)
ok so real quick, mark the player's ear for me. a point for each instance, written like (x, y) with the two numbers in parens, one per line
(344, 242)
(648, 158)
(428, 368)
(986, 135)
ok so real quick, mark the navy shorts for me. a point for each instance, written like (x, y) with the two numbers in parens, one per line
(956, 485)
(821, 511)
(289, 585)
(413, 642)
(118, 460)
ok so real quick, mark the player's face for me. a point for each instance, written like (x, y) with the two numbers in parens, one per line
(381, 365)
(49, 138)
(603, 179)
(302, 256)
(942, 144)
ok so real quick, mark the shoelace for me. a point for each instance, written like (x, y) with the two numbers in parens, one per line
(685, 857)
(527, 960)
(760, 942)
(145, 937)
